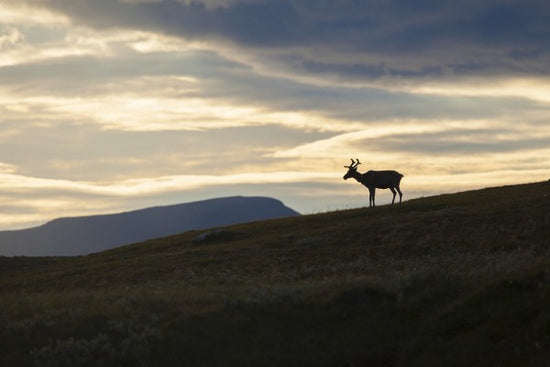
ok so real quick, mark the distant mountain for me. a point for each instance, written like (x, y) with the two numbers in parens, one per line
(84, 235)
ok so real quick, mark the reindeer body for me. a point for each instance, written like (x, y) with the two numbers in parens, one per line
(376, 180)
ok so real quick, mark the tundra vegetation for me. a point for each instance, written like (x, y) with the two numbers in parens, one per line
(452, 280)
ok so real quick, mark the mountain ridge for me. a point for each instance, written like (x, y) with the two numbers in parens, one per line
(70, 236)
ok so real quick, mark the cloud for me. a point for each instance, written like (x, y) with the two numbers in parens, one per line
(423, 148)
(10, 37)
(350, 39)
(81, 150)
(27, 13)
(197, 89)
(461, 142)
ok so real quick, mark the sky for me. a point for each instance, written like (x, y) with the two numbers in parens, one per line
(114, 105)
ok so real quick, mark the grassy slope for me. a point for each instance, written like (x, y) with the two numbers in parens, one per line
(461, 279)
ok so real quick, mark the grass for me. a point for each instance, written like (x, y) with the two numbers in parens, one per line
(455, 280)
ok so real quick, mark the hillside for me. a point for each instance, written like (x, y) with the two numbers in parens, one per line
(85, 235)
(452, 280)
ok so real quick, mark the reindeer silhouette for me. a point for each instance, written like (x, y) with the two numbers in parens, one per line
(375, 180)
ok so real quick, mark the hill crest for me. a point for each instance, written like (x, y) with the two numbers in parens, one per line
(72, 236)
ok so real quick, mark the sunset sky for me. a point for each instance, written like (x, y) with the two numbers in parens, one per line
(114, 105)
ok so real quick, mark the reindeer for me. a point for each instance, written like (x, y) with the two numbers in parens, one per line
(376, 180)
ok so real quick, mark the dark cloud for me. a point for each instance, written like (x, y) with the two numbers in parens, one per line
(467, 37)
(230, 81)
(459, 142)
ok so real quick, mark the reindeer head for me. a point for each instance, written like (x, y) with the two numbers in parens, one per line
(351, 168)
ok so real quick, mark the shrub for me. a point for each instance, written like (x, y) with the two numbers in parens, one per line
(123, 343)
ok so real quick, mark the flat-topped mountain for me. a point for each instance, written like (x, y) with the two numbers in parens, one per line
(84, 235)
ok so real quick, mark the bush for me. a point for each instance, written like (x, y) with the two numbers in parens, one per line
(123, 343)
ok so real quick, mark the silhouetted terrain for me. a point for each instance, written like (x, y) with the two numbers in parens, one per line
(84, 235)
(451, 280)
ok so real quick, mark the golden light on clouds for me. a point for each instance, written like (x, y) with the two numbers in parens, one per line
(534, 89)
(341, 144)
(17, 12)
(138, 112)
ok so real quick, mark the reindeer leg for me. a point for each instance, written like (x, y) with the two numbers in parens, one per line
(400, 194)
(394, 193)
(371, 197)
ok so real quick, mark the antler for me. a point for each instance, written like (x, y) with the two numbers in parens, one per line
(353, 164)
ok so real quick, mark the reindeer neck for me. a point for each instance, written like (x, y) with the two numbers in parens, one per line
(358, 176)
